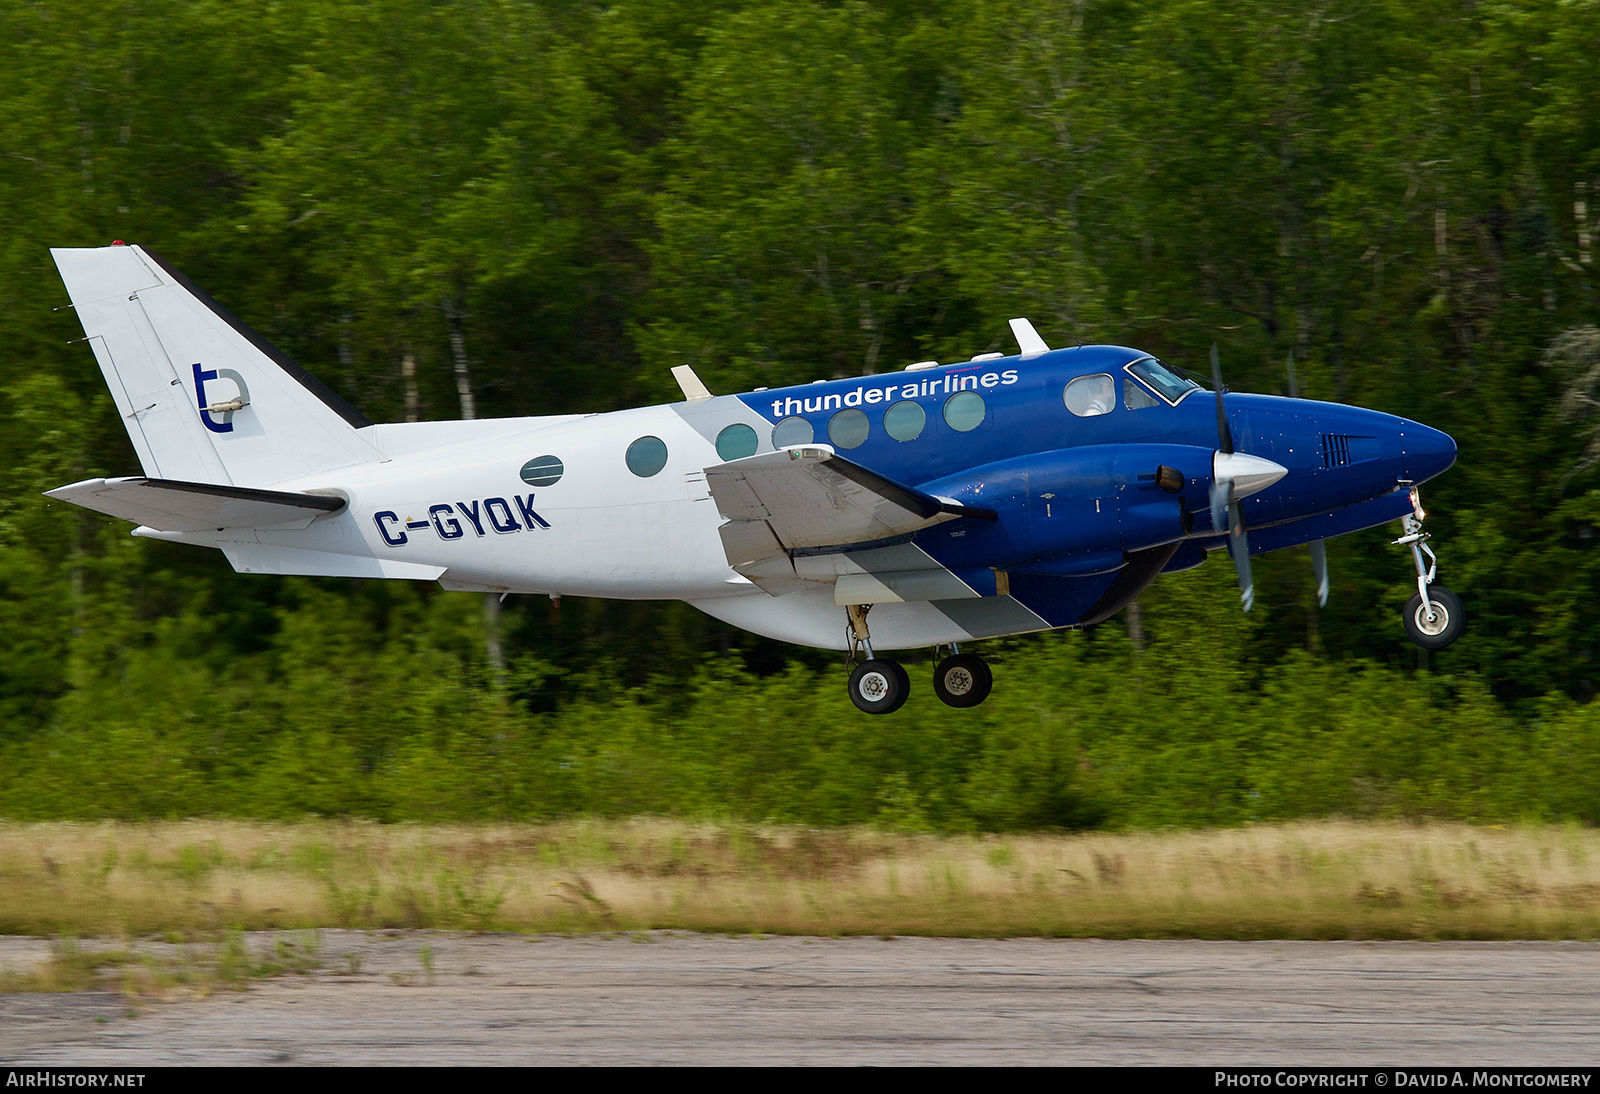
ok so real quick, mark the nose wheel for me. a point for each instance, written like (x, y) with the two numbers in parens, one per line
(1433, 618)
(1435, 623)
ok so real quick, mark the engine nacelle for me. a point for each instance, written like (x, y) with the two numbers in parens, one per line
(1082, 501)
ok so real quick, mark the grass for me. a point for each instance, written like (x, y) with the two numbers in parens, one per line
(164, 970)
(1334, 879)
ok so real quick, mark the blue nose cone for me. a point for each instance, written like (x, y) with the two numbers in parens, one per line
(1428, 451)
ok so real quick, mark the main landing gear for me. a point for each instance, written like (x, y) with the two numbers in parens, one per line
(1433, 618)
(881, 686)
(962, 679)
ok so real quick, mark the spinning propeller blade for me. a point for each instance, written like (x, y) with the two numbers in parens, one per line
(1219, 492)
(1239, 547)
(1224, 434)
(1319, 554)
(1229, 472)
(1319, 567)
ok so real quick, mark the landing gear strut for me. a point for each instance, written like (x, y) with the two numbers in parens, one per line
(880, 686)
(1433, 618)
(876, 686)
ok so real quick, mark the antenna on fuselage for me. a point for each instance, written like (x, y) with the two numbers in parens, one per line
(694, 389)
(1028, 339)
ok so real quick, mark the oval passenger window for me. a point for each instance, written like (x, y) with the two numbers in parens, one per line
(964, 411)
(542, 471)
(736, 442)
(1089, 396)
(848, 429)
(904, 420)
(792, 431)
(647, 456)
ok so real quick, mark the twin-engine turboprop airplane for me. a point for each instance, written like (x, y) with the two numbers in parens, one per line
(953, 502)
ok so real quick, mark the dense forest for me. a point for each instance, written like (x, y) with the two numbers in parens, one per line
(454, 207)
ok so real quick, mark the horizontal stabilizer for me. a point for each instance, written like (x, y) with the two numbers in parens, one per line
(262, 558)
(170, 506)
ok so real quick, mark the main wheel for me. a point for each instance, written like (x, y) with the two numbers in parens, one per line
(962, 680)
(879, 687)
(1445, 625)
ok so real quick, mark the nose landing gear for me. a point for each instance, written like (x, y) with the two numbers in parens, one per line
(1433, 618)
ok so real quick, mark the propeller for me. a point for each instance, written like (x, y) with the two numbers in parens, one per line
(1219, 496)
(1319, 552)
(1223, 493)
(1319, 567)
(1234, 477)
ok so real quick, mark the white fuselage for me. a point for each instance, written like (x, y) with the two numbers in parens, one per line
(609, 532)
(601, 530)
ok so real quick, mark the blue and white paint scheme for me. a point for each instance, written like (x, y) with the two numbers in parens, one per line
(959, 501)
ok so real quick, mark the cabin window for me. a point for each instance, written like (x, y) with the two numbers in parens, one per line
(964, 411)
(791, 431)
(542, 471)
(904, 421)
(1089, 396)
(1135, 397)
(1162, 380)
(647, 456)
(848, 429)
(736, 442)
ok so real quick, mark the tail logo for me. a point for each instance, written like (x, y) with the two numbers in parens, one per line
(224, 409)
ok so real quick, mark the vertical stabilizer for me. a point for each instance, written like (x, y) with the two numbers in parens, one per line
(204, 398)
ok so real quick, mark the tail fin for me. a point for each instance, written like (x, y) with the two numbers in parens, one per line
(204, 398)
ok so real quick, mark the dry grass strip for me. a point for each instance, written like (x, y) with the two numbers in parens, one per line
(1329, 879)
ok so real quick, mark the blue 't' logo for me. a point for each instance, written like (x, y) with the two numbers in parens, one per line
(225, 409)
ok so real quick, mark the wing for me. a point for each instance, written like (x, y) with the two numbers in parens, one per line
(809, 498)
(170, 506)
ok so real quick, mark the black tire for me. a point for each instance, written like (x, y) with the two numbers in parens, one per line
(962, 680)
(1446, 625)
(905, 680)
(879, 687)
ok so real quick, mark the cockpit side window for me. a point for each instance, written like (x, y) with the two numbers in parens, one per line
(1160, 379)
(1135, 397)
(1089, 396)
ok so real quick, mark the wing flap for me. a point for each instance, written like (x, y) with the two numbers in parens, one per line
(807, 498)
(171, 506)
(812, 497)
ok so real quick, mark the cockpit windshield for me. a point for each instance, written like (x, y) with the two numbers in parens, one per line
(1162, 380)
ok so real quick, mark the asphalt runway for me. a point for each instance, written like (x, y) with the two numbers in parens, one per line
(669, 998)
